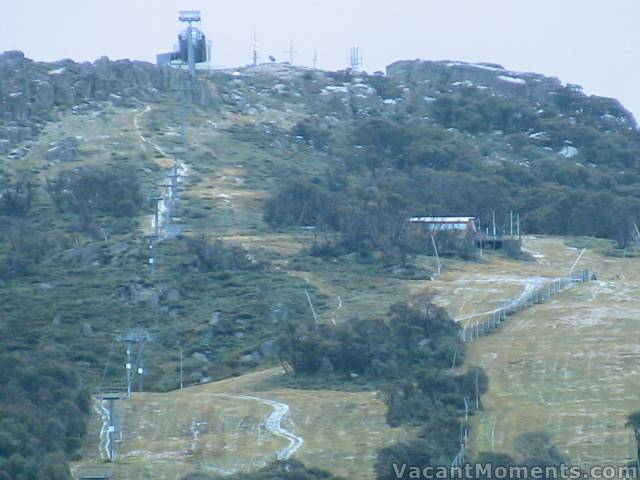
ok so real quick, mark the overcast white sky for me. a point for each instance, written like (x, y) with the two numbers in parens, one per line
(589, 42)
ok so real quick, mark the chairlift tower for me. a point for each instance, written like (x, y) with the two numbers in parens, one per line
(130, 337)
(111, 395)
(190, 17)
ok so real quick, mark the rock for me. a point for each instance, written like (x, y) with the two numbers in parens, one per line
(215, 318)
(15, 134)
(568, 151)
(268, 348)
(84, 254)
(44, 94)
(57, 319)
(45, 286)
(118, 249)
(173, 295)
(195, 377)
(353, 375)
(200, 357)
(365, 99)
(139, 294)
(251, 357)
(326, 366)
(87, 330)
(500, 80)
(65, 150)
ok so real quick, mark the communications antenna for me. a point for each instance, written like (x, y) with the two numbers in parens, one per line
(355, 60)
(291, 52)
(315, 59)
(255, 50)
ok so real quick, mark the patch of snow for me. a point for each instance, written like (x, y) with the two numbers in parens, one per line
(540, 136)
(389, 101)
(466, 83)
(429, 99)
(568, 151)
(56, 71)
(336, 89)
(475, 65)
(518, 81)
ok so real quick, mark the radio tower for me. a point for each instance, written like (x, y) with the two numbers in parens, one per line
(355, 60)
(255, 50)
(291, 52)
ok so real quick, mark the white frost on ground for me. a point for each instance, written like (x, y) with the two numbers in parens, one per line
(182, 171)
(518, 81)
(103, 413)
(273, 424)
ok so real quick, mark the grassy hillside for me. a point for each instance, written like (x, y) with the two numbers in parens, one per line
(299, 183)
(208, 430)
(567, 367)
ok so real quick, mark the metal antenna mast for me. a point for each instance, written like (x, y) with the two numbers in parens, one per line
(315, 59)
(255, 50)
(355, 60)
(291, 52)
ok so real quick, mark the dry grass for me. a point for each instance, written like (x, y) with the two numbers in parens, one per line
(198, 429)
(569, 366)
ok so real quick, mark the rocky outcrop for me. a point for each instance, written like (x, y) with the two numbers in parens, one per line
(531, 86)
(355, 97)
(495, 77)
(64, 150)
(31, 91)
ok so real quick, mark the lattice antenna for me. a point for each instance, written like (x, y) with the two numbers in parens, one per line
(255, 50)
(291, 52)
(355, 59)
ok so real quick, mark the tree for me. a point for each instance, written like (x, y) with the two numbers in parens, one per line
(633, 421)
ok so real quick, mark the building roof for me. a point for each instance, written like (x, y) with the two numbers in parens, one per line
(442, 219)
